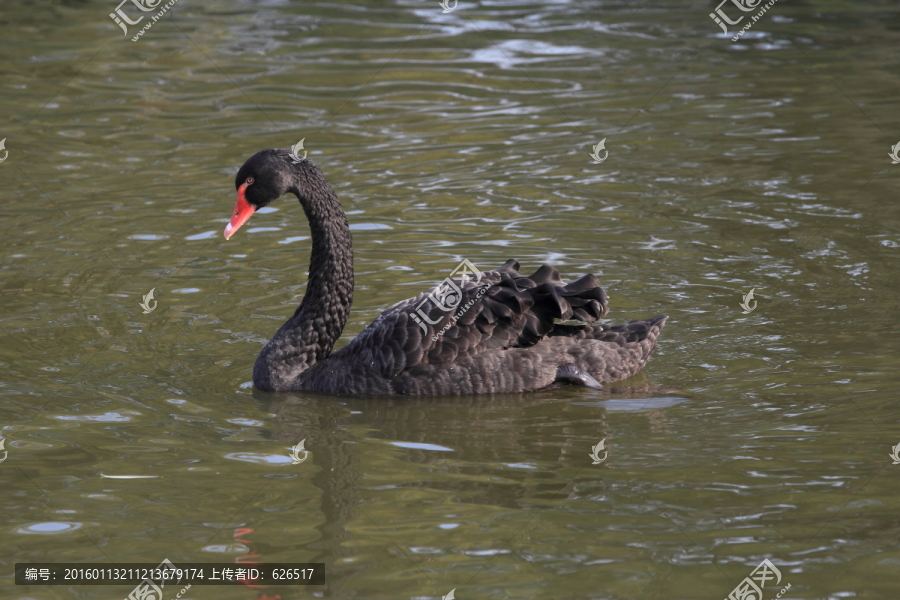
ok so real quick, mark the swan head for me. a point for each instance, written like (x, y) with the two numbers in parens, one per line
(265, 177)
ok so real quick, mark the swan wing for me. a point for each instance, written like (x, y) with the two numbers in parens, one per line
(506, 309)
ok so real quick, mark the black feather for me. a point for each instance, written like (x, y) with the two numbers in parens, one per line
(502, 335)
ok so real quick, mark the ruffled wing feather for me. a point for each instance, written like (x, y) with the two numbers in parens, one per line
(505, 309)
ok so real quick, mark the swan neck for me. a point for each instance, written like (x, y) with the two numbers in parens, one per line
(325, 308)
(309, 335)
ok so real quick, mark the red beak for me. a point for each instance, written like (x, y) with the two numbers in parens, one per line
(243, 210)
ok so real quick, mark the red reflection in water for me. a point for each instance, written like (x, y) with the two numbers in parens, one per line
(246, 560)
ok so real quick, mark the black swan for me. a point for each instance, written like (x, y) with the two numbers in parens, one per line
(492, 332)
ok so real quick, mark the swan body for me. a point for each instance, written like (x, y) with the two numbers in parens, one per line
(507, 332)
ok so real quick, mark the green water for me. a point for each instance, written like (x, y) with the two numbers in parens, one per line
(761, 165)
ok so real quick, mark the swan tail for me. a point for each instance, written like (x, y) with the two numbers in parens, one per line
(541, 300)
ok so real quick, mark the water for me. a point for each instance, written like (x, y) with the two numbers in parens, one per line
(756, 165)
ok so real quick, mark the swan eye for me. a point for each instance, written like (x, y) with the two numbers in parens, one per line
(249, 180)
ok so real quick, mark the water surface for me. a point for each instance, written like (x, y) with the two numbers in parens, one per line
(760, 165)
